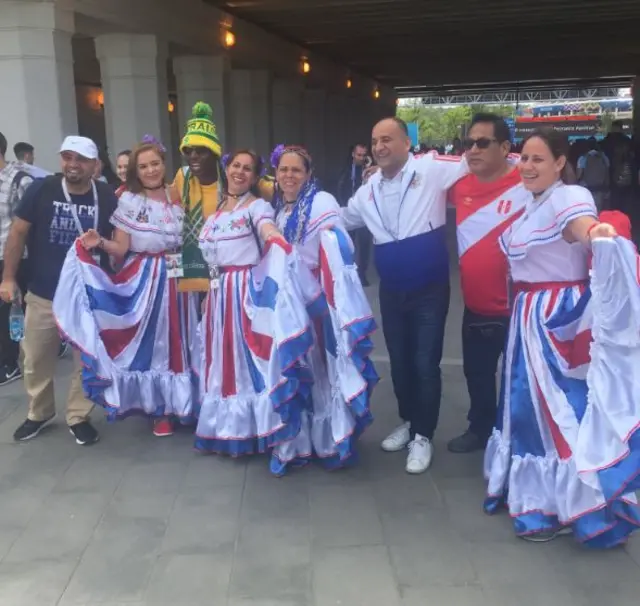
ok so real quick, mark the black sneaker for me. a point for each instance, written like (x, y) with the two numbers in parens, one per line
(84, 433)
(467, 442)
(9, 374)
(30, 429)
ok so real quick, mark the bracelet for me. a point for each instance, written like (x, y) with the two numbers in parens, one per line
(101, 243)
(591, 228)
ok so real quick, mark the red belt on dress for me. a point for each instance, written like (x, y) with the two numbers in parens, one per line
(519, 287)
(225, 269)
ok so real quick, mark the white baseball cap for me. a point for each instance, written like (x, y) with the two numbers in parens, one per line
(82, 146)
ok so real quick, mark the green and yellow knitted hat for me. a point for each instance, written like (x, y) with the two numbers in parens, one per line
(201, 131)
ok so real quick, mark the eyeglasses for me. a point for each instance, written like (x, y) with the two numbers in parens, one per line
(480, 142)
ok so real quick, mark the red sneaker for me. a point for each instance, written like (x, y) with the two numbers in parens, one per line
(162, 427)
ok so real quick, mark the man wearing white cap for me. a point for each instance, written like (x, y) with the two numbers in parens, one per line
(52, 213)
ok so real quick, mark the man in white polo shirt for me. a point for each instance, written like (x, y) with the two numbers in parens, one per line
(404, 207)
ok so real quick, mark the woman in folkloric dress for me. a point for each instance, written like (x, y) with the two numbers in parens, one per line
(137, 333)
(340, 372)
(565, 454)
(255, 328)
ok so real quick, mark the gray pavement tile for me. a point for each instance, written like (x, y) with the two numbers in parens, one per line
(203, 521)
(354, 576)
(581, 566)
(517, 563)
(93, 473)
(470, 595)
(158, 505)
(20, 502)
(439, 560)
(464, 506)
(202, 578)
(8, 536)
(626, 593)
(538, 594)
(60, 529)
(273, 498)
(402, 490)
(153, 478)
(118, 561)
(271, 570)
(633, 549)
(38, 584)
(261, 602)
(344, 516)
(216, 472)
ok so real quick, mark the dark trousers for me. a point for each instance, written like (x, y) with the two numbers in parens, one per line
(483, 340)
(10, 350)
(413, 325)
(362, 240)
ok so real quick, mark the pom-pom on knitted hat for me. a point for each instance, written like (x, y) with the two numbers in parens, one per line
(201, 131)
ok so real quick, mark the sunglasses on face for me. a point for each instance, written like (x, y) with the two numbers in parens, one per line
(480, 142)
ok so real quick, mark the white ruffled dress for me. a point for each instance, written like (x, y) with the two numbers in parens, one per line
(566, 448)
(341, 377)
(255, 332)
(136, 332)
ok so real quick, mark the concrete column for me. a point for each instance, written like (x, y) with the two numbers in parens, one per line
(251, 110)
(204, 78)
(338, 134)
(314, 127)
(287, 111)
(37, 98)
(134, 83)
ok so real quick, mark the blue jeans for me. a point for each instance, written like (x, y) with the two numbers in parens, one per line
(413, 325)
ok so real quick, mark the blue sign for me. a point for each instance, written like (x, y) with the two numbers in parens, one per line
(511, 123)
(413, 133)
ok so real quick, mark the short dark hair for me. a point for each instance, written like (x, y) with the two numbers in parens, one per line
(3, 145)
(399, 121)
(21, 148)
(500, 129)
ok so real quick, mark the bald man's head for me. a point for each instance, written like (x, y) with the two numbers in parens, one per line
(390, 145)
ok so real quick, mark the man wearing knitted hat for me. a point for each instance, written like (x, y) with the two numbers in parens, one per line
(198, 187)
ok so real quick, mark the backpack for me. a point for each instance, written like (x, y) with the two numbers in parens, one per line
(596, 171)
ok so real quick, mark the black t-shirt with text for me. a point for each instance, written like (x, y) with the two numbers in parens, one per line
(54, 230)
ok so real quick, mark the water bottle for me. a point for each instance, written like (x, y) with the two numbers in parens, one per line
(16, 321)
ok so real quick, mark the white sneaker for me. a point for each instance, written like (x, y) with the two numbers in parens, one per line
(420, 455)
(397, 439)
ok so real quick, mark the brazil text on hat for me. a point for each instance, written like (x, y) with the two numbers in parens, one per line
(201, 131)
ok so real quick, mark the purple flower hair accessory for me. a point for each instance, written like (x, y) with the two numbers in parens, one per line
(224, 161)
(151, 140)
(276, 154)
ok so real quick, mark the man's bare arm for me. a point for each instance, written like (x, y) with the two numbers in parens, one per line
(14, 248)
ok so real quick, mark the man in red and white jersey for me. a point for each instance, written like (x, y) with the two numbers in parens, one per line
(487, 201)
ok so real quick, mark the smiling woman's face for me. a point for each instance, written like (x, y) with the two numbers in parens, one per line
(291, 175)
(538, 167)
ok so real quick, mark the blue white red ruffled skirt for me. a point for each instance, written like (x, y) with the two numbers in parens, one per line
(254, 333)
(341, 376)
(566, 448)
(136, 333)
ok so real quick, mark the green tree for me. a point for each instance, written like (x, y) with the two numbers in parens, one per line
(441, 125)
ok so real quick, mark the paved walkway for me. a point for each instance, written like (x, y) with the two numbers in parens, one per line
(141, 521)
